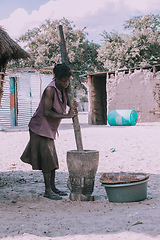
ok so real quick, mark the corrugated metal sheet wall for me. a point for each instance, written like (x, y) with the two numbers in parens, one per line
(5, 103)
(28, 88)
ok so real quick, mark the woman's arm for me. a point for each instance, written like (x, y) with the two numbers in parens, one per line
(49, 94)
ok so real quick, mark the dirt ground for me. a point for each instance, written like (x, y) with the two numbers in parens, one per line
(26, 214)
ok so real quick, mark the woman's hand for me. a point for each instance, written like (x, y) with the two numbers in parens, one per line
(72, 113)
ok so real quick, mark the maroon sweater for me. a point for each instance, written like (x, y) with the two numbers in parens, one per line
(47, 126)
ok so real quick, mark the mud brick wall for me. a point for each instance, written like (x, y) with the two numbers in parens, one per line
(138, 91)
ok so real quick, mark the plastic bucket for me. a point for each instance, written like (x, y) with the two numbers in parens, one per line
(122, 117)
(127, 192)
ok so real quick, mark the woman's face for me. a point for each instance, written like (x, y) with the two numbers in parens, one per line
(63, 82)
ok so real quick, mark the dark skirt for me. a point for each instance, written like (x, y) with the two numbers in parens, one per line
(40, 152)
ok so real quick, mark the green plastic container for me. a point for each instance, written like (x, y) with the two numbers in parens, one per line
(122, 117)
(127, 192)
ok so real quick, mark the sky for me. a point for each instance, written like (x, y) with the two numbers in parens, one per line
(17, 16)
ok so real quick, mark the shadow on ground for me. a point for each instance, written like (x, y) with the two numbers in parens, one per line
(25, 210)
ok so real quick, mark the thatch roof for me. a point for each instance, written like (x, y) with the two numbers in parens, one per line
(9, 49)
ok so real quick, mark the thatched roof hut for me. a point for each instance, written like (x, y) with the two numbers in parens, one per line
(9, 50)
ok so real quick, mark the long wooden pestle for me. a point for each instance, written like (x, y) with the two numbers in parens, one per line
(64, 59)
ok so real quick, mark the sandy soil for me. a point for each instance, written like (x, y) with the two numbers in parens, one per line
(25, 214)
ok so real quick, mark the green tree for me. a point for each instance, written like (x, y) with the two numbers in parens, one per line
(112, 52)
(148, 21)
(141, 45)
(42, 44)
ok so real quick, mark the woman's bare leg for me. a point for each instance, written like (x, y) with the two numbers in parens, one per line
(48, 190)
(53, 187)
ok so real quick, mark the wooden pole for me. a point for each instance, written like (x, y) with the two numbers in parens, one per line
(40, 79)
(1, 85)
(64, 59)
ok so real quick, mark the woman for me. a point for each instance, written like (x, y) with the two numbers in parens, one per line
(40, 151)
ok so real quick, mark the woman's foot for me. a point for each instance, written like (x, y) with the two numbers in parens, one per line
(52, 195)
(60, 193)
